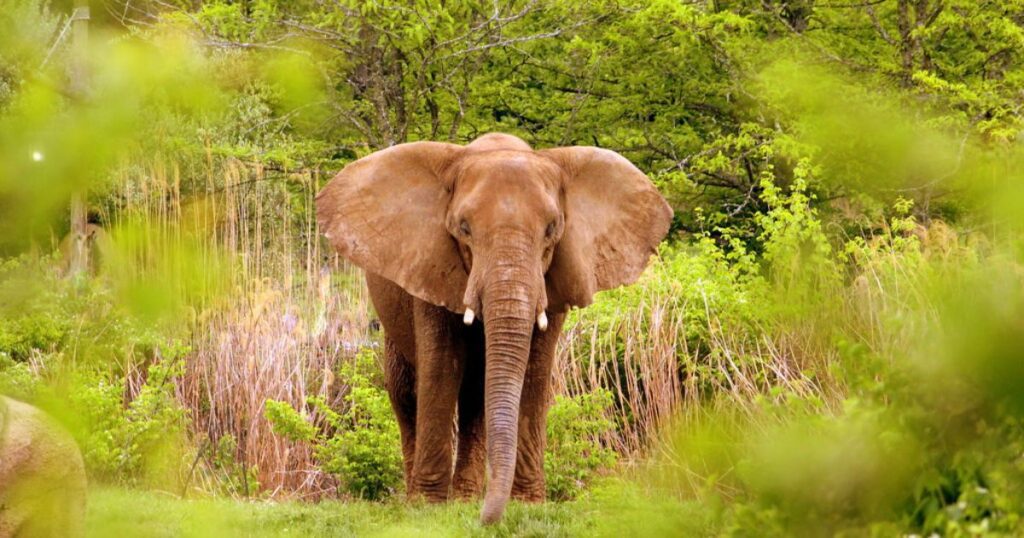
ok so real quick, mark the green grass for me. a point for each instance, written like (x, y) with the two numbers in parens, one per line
(123, 512)
(613, 509)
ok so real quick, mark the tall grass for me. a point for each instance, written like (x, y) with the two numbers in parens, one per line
(285, 316)
(643, 374)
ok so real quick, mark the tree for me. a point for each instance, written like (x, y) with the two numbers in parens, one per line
(78, 259)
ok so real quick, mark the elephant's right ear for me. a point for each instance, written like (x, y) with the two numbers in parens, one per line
(386, 213)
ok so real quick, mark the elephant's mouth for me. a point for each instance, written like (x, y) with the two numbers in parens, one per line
(471, 299)
(542, 318)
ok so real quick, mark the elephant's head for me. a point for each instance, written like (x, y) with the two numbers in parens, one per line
(499, 229)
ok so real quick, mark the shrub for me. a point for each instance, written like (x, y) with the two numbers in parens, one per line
(17, 379)
(69, 346)
(288, 423)
(32, 317)
(123, 443)
(35, 331)
(70, 320)
(574, 453)
(797, 253)
(360, 445)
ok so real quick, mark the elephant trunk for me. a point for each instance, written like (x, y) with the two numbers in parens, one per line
(509, 307)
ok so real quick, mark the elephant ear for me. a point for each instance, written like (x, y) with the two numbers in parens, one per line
(386, 214)
(614, 220)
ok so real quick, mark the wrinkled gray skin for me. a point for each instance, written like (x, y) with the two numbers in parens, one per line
(42, 478)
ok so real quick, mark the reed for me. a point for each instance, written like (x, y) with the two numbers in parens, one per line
(286, 316)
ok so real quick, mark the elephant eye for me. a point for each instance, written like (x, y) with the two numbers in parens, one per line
(464, 226)
(550, 230)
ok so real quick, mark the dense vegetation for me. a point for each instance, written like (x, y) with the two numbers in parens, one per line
(828, 343)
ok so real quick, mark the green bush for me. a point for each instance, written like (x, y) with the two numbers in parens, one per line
(67, 345)
(696, 280)
(33, 313)
(360, 445)
(35, 331)
(74, 320)
(126, 443)
(287, 422)
(574, 453)
(17, 379)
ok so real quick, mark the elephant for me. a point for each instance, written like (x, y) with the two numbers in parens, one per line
(42, 476)
(473, 255)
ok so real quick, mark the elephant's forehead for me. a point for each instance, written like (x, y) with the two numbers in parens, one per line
(514, 184)
(509, 167)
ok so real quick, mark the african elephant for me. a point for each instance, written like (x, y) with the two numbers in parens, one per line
(42, 478)
(445, 232)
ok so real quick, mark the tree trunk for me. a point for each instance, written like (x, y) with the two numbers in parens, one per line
(79, 255)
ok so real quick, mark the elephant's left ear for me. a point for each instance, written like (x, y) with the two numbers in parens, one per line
(614, 220)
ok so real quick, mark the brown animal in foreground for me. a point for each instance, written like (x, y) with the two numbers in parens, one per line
(42, 478)
(447, 232)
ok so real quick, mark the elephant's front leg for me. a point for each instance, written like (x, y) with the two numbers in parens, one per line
(533, 411)
(400, 380)
(439, 365)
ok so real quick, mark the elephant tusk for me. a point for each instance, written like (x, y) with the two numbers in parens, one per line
(542, 321)
(468, 317)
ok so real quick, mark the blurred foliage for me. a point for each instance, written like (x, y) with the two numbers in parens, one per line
(29, 27)
(843, 276)
(45, 314)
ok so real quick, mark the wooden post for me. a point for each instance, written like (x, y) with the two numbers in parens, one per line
(79, 252)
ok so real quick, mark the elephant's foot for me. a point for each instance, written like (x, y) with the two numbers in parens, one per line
(467, 489)
(432, 487)
(433, 497)
(531, 492)
(410, 485)
(429, 497)
(468, 482)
